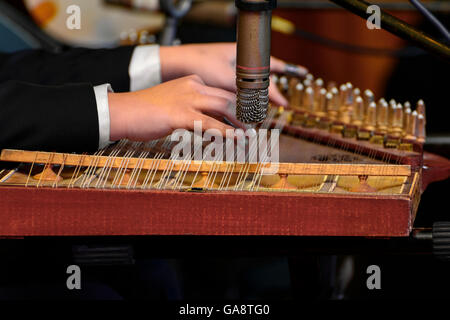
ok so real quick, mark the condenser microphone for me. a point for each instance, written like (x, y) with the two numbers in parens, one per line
(253, 59)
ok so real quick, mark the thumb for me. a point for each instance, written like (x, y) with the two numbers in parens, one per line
(275, 95)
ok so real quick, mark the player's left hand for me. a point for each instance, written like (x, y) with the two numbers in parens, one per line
(216, 64)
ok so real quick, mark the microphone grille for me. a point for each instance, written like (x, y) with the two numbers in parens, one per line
(252, 104)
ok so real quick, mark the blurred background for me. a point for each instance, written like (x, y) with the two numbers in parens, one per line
(333, 44)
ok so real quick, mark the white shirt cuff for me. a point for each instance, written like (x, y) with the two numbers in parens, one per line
(145, 67)
(101, 97)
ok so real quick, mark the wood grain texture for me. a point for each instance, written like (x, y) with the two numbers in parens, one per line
(78, 212)
(203, 166)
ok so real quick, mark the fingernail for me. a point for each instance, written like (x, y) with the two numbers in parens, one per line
(295, 69)
(302, 70)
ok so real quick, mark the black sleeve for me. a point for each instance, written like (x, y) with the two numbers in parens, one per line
(79, 65)
(52, 118)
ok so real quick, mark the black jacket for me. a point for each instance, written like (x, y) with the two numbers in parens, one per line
(47, 100)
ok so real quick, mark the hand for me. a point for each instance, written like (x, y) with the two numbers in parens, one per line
(215, 64)
(155, 112)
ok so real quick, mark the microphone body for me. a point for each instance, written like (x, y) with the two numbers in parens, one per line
(253, 59)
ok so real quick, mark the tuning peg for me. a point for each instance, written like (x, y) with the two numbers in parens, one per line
(318, 85)
(371, 117)
(324, 106)
(358, 115)
(397, 121)
(421, 133)
(292, 84)
(406, 115)
(333, 104)
(420, 107)
(283, 85)
(342, 95)
(382, 116)
(368, 98)
(297, 96)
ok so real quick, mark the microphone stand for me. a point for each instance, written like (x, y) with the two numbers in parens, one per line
(399, 28)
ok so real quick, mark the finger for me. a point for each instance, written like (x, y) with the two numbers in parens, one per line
(217, 92)
(209, 123)
(195, 78)
(277, 65)
(218, 106)
(275, 95)
(229, 114)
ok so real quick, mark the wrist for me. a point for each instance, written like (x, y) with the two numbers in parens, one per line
(117, 116)
(173, 62)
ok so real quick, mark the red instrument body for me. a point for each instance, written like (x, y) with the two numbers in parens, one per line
(112, 212)
(78, 212)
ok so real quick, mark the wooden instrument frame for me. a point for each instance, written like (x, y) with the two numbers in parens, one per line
(93, 212)
(47, 211)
